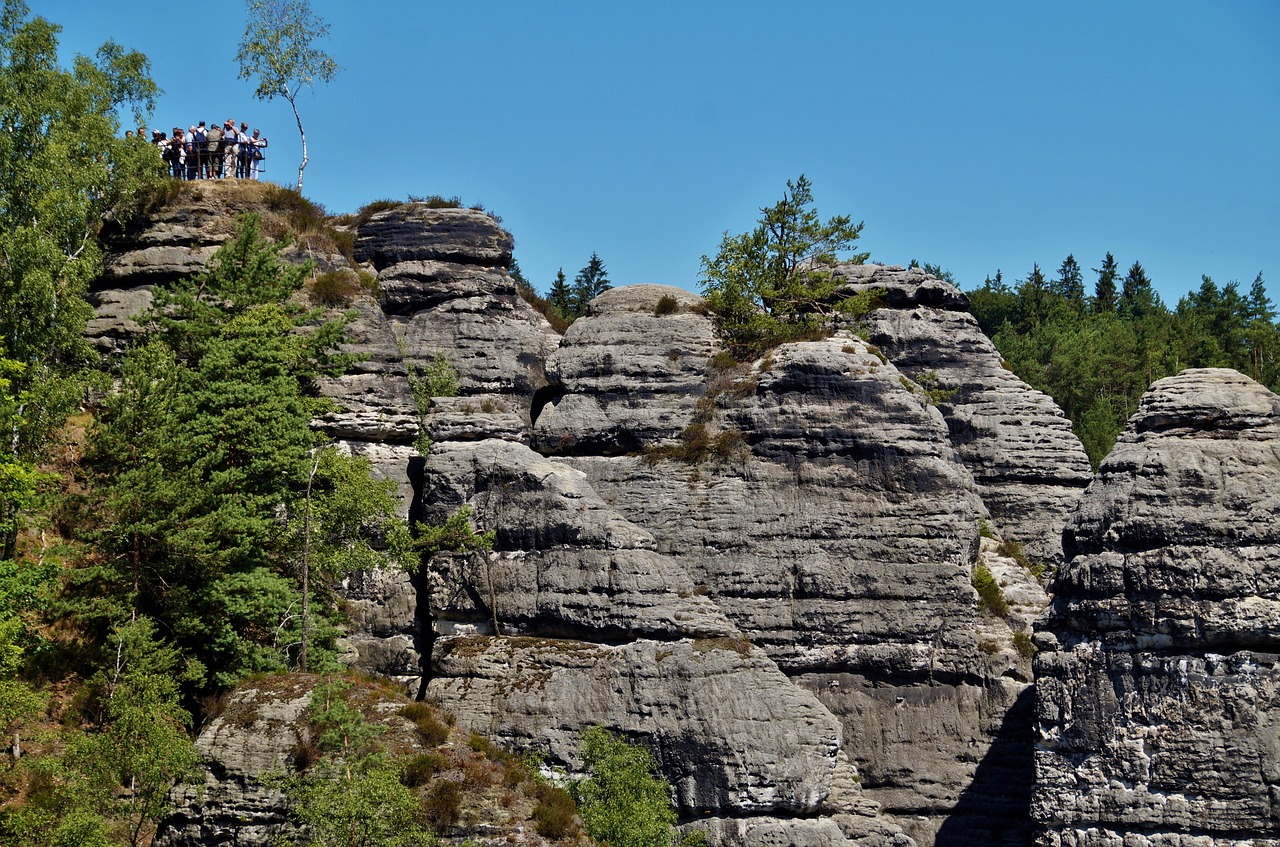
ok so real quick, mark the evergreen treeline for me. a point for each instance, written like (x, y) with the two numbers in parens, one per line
(565, 303)
(1096, 354)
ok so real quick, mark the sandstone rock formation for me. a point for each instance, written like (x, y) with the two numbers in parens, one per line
(762, 572)
(1158, 692)
(1029, 466)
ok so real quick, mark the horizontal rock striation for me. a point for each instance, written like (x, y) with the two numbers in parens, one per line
(1028, 465)
(628, 376)
(1157, 695)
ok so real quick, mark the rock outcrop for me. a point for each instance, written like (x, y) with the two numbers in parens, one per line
(764, 572)
(1158, 692)
(808, 508)
(1029, 466)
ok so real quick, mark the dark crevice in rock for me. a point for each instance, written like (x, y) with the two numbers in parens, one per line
(541, 397)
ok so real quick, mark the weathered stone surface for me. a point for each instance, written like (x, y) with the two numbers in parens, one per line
(841, 533)
(1029, 466)
(597, 627)
(415, 232)
(230, 805)
(497, 342)
(630, 374)
(566, 563)
(476, 417)
(729, 731)
(1158, 691)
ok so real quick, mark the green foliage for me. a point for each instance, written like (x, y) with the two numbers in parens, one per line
(364, 806)
(774, 283)
(933, 390)
(341, 728)
(63, 170)
(561, 298)
(555, 815)
(1097, 356)
(591, 281)
(990, 597)
(437, 378)
(456, 534)
(215, 500)
(279, 51)
(111, 784)
(666, 305)
(1023, 644)
(622, 801)
(431, 730)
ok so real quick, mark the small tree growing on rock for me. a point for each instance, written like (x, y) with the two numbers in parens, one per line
(774, 283)
(279, 50)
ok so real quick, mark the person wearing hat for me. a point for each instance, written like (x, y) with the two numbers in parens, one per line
(230, 149)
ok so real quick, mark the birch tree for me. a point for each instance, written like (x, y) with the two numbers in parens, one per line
(279, 51)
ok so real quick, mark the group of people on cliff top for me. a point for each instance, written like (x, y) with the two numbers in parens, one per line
(211, 152)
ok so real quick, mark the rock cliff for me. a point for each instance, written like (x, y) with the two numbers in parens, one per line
(762, 571)
(1157, 696)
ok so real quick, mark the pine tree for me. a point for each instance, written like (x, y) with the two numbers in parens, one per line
(1137, 298)
(590, 282)
(561, 296)
(1070, 282)
(1104, 290)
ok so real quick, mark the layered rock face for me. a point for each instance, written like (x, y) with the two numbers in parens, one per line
(173, 241)
(1029, 466)
(1158, 692)
(760, 572)
(798, 533)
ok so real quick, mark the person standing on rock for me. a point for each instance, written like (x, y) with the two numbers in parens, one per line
(246, 151)
(256, 155)
(230, 149)
(213, 143)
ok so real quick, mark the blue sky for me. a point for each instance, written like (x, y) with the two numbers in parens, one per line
(976, 136)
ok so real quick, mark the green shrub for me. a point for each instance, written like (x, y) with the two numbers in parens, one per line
(1022, 643)
(419, 769)
(990, 597)
(667, 305)
(622, 801)
(443, 803)
(555, 815)
(335, 288)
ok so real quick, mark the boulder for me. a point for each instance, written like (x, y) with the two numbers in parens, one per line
(1158, 691)
(416, 232)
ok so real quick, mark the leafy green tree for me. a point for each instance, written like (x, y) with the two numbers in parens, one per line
(111, 783)
(345, 521)
(215, 500)
(622, 801)
(63, 170)
(354, 797)
(591, 281)
(774, 283)
(279, 50)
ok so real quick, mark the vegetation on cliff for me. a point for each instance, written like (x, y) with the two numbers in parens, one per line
(774, 284)
(1096, 355)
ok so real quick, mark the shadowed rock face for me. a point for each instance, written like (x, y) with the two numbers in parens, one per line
(1028, 465)
(1158, 697)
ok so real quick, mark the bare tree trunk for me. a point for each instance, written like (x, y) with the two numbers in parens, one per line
(306, 557)
(302, 133)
